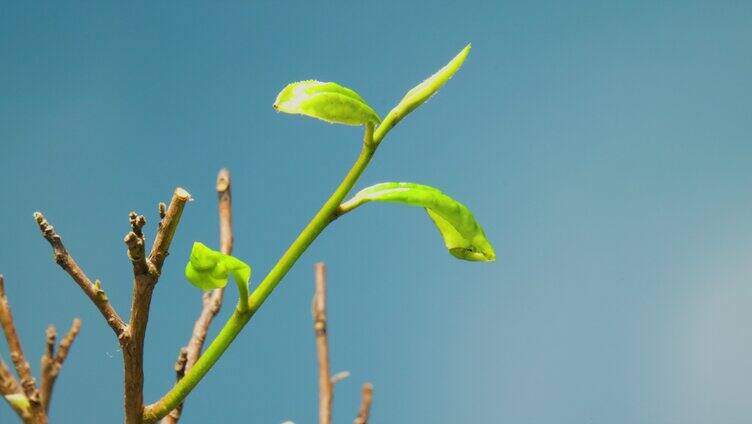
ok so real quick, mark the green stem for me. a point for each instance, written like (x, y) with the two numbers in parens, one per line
(241, 280)
(240, 318)
(242, 294)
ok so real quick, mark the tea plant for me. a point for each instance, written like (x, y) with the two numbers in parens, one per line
(210, 270)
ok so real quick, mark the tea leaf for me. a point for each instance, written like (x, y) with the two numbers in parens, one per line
(327, 101)
(421, 92)
(209, 269)
(463, 236)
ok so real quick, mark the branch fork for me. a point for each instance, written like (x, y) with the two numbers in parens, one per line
(146, 272)
(29, 401)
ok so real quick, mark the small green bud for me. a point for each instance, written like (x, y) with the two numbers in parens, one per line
(19, 401)
(209, 269)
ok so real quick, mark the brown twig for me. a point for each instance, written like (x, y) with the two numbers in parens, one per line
(180, 363)
(145, 276)
(9, 387)
(8, 383)
(23, 369)
(322, 345)
(211, 301)
(52, 361)
(326, 380)
(93, 291)
(365, 405)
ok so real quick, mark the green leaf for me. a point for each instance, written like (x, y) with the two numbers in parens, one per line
(327, 101)
(421, 92)
(209, 269)
(463, 236)
(19, 401)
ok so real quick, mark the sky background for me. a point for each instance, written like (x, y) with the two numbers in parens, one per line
(604, 146)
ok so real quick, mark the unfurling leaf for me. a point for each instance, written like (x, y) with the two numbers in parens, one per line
(327, 101)
(422, 92)
(19, 401)
(208, 269)
(463, 236)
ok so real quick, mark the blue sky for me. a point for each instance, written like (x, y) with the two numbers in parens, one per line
(604, 146)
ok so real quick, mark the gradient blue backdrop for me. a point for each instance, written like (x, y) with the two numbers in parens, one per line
(605, 147)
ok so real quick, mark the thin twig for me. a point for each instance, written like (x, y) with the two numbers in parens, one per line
(48, 360)
(167, 226)
(211, 301)
(19, 360)
(174, 415)
(9, 387)
(365, 406)
(93, 291)
(322, 345)
(53, 361)
(8, 383)
(145, 276)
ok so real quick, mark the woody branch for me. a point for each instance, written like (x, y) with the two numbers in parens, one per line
(212, 300)
(146, 271)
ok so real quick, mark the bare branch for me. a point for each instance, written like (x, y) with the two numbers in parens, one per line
(19, 360)
(48, 361)
(169, 224)
(93, 291)
(52, 362)
(8, 383)
(211, 301)
(365, 406)
(146, 275)
(322, 345)
(9, 387)
(174, 415)
(224, 197)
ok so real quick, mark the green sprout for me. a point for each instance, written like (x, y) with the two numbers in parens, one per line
(333, 103)
(209, 269)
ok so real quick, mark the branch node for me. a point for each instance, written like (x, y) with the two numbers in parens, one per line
(137, 223)
(27, 382)
(101, 295)
(135, 242)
